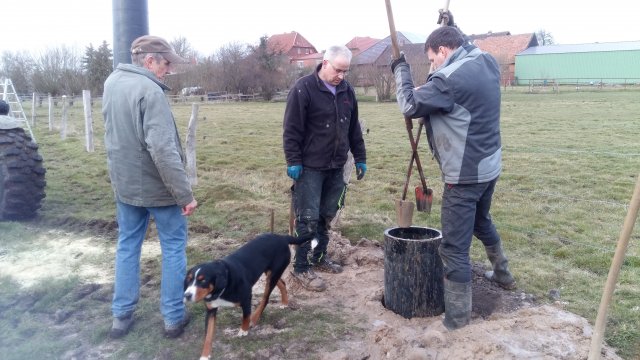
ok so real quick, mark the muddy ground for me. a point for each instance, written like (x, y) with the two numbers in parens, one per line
(505, 324)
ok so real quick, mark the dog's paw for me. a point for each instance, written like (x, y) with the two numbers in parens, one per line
(242, 333)
(314, 243)
(205, 357)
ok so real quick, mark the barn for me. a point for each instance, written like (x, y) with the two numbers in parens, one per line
(612, 63)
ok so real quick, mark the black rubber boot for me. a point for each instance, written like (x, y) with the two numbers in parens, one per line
(457, 304)
(500, 273)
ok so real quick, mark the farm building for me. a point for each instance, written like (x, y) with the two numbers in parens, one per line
(598, 63)
(504, 47)
(294, 45)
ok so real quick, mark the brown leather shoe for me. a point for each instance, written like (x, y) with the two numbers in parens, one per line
(309, 280)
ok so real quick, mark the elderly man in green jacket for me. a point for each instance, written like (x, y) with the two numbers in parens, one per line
(146, 167)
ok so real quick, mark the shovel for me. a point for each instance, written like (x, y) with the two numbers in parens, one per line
(424, 195)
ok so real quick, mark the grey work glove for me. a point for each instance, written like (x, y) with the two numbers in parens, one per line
(445, 16)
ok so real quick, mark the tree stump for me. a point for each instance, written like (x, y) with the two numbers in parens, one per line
(413, 272)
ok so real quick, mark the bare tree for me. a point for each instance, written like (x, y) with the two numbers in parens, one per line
(269, 69)
(235, 72)
(544, 37)
(381, 78)
(59, 72)
(19, 68)
(182, 47)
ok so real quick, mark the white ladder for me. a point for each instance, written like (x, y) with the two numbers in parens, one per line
(11, 97)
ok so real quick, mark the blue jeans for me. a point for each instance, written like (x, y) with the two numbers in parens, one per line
(172, 231)
(317, 196)
(465, 213)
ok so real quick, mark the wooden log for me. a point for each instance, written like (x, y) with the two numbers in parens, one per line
(413, 272)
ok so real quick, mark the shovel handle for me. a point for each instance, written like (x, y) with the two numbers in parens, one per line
(413, 157)
(392, 30)
(414, 147)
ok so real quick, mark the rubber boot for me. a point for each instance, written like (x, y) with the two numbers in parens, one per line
(500, 273)
(457, 304)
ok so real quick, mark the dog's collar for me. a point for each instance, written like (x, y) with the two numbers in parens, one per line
(209, 297)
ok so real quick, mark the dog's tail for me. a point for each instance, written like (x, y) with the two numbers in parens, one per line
(299, 241)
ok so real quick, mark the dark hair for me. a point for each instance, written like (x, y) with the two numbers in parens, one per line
(4, 107)
(447, 36)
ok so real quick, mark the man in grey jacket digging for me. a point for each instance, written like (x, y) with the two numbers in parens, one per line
(146, 168)
(461, 101)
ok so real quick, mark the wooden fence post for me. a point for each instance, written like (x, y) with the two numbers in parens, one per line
(50, 99)
(614, 271)
(33, 110)
(88, 120)
(191, 145)
(63, 123)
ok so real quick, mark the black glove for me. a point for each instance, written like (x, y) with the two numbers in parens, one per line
(396, 62)
(445, 16)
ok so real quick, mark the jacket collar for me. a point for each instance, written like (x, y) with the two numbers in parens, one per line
(142, 71)
(460, 53)
(341, 87)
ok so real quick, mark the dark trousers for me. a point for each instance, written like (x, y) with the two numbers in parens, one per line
(317, 196)
(465, 213)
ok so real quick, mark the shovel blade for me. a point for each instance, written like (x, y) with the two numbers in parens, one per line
(404, 213)
(424, 199)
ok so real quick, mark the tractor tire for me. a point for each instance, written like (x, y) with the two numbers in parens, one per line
(22, 180)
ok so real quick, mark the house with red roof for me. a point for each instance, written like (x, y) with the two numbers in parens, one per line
(504, 48)
(295, 46)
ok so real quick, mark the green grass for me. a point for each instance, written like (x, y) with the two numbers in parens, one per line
(570, 164)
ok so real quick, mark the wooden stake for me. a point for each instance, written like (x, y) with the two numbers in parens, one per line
(614, 271)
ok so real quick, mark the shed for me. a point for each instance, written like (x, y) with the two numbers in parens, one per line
(602, 63)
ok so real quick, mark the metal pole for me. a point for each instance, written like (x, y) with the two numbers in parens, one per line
(130, 21)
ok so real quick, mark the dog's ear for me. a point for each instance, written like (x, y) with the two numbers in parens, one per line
(189, 278)
(219, 281)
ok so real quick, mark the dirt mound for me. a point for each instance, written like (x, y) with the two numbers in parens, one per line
(505, 324)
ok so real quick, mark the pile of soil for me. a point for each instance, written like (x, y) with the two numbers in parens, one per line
(505, 324)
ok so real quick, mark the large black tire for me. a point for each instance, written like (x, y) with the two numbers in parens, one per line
(21, 176)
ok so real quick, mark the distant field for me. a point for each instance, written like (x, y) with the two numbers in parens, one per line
(570, 164)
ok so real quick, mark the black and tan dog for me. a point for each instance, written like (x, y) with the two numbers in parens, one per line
(228, 281)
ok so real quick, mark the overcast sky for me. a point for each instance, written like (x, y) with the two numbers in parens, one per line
(35, 25)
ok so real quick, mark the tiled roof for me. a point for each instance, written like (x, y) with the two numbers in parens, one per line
(360, 44)
(414, 54)
(372, 54)
(285, 42)
(505, 47)
(473, 37)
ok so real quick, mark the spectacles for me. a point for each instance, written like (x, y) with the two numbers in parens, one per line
(339, 71)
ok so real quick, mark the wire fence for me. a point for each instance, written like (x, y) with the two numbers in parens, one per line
(506, 186)
(571, 84)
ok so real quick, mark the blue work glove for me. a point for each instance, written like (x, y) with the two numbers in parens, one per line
(361, 168)
(396, 62)
(294, 171)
